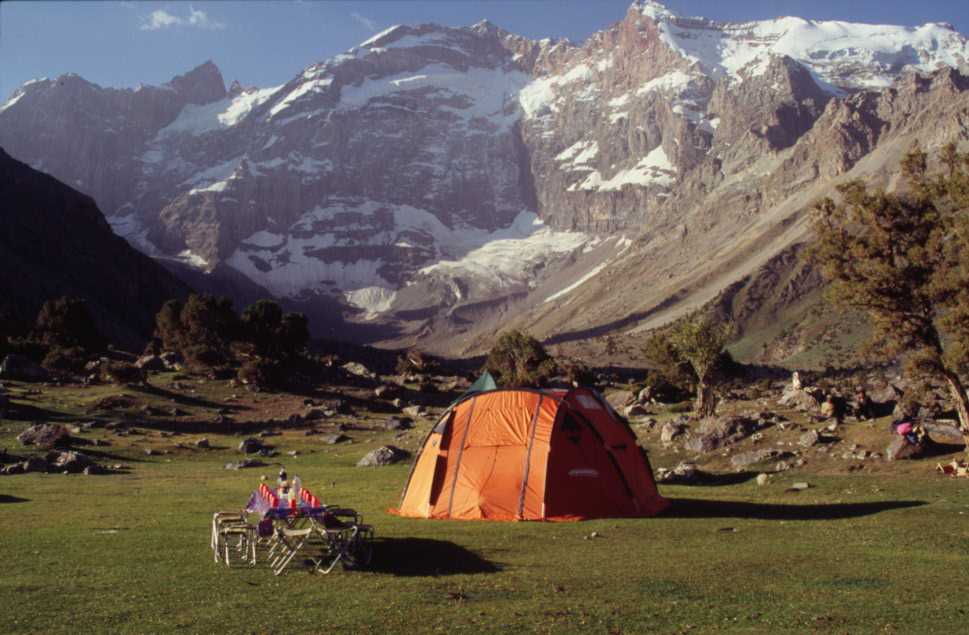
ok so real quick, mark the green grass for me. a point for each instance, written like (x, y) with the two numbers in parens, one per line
(129, 553)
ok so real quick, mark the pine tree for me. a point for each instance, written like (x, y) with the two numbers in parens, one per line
(903, 257)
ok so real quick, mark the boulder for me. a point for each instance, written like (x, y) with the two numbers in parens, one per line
(671, 430)
(16, 366)
(244, 463)
(900, 449)
(809, 439)
(172, 360)
(359, 370)
(685, 473)
(334, 439)
(716, 432)
(250, 446)
(635, 410)
(385, 455)
(414, 411)
(44, 435)
(68, 461)
(805, 399)
(746, 459)
(398, 423)
(618, 399)
(942, 432)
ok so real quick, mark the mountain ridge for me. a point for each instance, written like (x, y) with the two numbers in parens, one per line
(433, 179)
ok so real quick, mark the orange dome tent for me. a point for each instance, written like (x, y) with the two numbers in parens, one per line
(520, 454)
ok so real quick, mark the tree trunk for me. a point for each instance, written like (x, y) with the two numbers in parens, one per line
(962, 402)
(706, 401)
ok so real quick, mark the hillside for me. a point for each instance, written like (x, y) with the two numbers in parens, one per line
(54, 241)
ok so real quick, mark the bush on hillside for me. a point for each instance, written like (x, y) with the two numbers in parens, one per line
(122, 373)
(518, 360)
(60, 359)
(66, 322)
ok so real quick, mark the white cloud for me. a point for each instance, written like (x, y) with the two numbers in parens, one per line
(364, 21)
(201, 20)
(161, 19)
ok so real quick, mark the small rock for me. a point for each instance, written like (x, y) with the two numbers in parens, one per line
(358, 369)
(762, 479)
(203, 443)
(334, 439)
(414, 411)
(398, 423)
(385, 455)
(636, 410)
(244, 463)
(293, 453)
(800, 486)
(809, 439)
(250, 446)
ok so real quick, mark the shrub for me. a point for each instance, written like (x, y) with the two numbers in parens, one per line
(272, 333)
(518, 359)
(122, 373)
(65, 359)
(258, 374)
(66, 322)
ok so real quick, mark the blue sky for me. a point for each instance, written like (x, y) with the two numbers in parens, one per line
(267, 43)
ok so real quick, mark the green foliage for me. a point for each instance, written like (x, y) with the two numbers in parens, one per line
(65, 359)
(259, 374)
(699, 340)
(122, 373)
(689, 352)
(904, 259)
(517, 360)
(66, 322)
(273, 334)
(201, 329)
(576, 372)
(668, 366)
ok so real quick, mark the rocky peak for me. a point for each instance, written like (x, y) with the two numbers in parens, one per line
(201, 85)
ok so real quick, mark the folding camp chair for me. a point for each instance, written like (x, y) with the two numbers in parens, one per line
(232, 535)
(346, 540)
(288, 542)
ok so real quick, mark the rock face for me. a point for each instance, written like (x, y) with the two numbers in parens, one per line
(433, 178)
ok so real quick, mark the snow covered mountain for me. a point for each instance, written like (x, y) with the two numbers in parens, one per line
(434, 178)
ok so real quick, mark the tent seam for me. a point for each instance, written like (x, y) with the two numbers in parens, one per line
(528, 456)
(457, 467)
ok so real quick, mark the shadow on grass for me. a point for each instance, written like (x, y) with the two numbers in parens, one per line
(6, 498)
(19, 411)
(426, 557)
(701, 508)
(185, 400)
(936, 449)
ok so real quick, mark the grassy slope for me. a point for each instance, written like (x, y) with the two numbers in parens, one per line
(849, 555)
